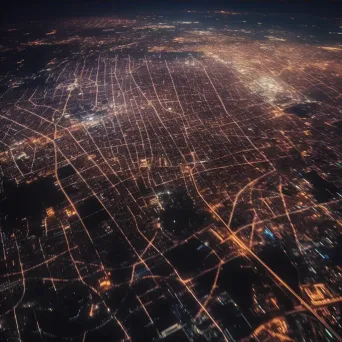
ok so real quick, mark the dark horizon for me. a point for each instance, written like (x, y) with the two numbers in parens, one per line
(20, 9)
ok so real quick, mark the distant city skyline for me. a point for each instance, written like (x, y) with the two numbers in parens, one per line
(61, 8)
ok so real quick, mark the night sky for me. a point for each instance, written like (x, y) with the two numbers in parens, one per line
(32, 9)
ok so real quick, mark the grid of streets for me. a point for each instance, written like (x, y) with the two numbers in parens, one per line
(188, 175)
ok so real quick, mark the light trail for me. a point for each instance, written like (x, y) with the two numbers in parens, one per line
(3, 245)
(47, 265)
(252, 230)
(17, 325)
(289, 217)
(211, 290)
(144, 308)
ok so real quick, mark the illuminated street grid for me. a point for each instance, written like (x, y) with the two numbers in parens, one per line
(137, 111)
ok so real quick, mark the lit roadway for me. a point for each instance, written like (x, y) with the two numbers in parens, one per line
(240, 243)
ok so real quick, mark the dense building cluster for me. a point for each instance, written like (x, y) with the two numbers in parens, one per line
(170, 179)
